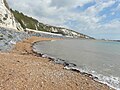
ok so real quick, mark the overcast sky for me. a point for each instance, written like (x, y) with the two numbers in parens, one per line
(97, 18)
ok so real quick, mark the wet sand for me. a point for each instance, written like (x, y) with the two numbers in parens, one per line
(22, 69)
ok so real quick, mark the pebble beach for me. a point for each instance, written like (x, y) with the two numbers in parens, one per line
(22, 69)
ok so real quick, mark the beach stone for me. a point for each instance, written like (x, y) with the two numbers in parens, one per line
(9, 37)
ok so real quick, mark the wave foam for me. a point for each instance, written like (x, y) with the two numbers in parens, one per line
(113, 82)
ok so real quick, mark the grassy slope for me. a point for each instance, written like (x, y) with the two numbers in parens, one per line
(29, 22)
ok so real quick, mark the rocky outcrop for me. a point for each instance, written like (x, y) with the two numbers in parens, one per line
(7, 19)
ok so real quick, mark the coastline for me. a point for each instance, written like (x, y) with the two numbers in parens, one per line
(24, 69)
(112, 82)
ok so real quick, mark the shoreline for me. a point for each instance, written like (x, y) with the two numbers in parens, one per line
(71, 66)
(46, 75)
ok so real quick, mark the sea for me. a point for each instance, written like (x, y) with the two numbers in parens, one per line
(97, 57)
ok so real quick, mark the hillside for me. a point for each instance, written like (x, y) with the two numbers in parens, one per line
(18, 21)
(31, 23)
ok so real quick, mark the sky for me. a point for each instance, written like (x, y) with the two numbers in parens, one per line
(96, 18)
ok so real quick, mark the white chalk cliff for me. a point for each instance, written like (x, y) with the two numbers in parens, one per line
(6, 17)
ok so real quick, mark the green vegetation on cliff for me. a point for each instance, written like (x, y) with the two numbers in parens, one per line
(25, 21)
(31, 23)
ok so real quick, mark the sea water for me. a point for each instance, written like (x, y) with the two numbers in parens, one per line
(97, 57)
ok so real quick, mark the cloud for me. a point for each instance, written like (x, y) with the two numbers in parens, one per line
(68, 3)
(69, 13)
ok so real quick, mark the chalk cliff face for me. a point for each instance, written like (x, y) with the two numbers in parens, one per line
(6, 17)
